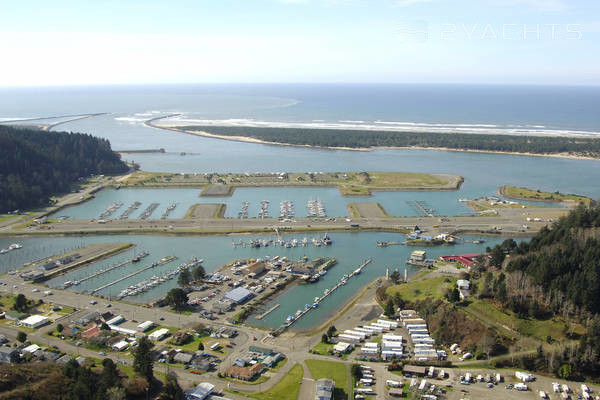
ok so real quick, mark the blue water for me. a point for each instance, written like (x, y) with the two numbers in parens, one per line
(350, 249)
(554, 107)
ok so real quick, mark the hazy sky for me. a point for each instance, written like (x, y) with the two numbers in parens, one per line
(133, 41)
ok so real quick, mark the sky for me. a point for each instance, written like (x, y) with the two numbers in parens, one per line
(64, 42)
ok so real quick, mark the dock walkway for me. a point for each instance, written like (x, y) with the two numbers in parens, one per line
(325, 295)
(164, 261)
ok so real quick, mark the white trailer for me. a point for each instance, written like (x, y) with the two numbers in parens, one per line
(521, 387)
(524, 376)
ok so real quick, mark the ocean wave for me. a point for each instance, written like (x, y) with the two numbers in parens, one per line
(392, 126)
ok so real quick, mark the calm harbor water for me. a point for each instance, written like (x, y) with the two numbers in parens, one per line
(350, 249)
(395, 203)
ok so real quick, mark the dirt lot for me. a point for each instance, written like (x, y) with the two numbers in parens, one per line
(217, 191)
(369, 210)
(206, 211)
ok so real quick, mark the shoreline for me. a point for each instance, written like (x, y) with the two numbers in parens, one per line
(247, 139)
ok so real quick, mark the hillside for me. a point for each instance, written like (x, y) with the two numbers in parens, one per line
(564, 260)
(34, 165)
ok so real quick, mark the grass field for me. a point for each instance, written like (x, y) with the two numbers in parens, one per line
(288, 388)
(349, 184)
(413, 291)
(323, 348)
(539, 329)
(536, 195)
(6, 217)
(332, 370)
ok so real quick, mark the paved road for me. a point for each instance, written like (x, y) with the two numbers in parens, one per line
(508, 222)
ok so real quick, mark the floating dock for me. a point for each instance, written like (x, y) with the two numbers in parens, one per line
(148, 211)
(163, 261)
(422, 208)
(325, 295)
(109, 269)
(134, 206)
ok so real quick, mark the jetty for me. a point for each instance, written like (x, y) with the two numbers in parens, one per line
(162, 261)
(269, 311)
(328, 292)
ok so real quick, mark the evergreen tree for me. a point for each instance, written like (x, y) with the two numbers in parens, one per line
(198, 273)
(177, 299)
(172, 390)
(143, 363)
(185, 277)
(389, 308)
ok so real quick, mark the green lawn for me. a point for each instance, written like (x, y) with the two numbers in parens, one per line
(323, 348)
(288, 388)
(331, 370)
(537, 195)
(413, 291)
(539, 329)
(193, 345)
(6, 217)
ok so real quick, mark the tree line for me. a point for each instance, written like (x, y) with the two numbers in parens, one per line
(35, 165)
(367, 138)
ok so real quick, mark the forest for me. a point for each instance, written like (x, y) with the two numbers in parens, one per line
(556, 273)
(35, 165)
(367, 138)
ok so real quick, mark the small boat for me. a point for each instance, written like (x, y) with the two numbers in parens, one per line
(289, 318)
(315, 304)
(357, 271)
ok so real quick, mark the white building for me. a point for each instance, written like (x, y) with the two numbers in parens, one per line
(159, 334)
(342, 347)
(120, 346)
(463, 284)
(200, 392)
(34, 321)
(31, 348)
(144, 326)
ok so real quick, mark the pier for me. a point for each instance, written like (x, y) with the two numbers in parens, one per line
(163, 261)
(109, 269)
(269, 311)
(422, 208)
(148, 211)
(386, 244)
(134, 206)
(168, 210)
(111, 209)
(327, 293)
